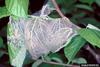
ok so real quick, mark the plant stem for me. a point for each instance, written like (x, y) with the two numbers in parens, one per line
(61, 64)
(57, 8)
(55, 63)
(62, 15)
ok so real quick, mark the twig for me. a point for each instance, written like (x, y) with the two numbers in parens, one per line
(61, 14)
(61, 64)
(57, 8)
(97, 57)
(55, 63)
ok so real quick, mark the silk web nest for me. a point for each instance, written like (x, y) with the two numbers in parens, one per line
(41, 34)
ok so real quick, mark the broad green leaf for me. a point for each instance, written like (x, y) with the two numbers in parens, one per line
(18, 8)
(12, 52)
(97, 2)
(87, 1)
(4, 12)
(92, 27)
(92, 36)
(9, 30)
(1, 42)
(79, 61)
(56, 57)
(16, 55)
(73, 47)
(37, 63)
(86, 7)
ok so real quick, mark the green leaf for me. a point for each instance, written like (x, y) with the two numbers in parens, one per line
(56, 57)
(97, 2)
(18, 8)
(1, 42)
(37, 63)
(86, 7)
(87, 1)
(93, 27)
(4, 12)
(92, 36)
(16, 55)
(79, 61)
(73, 47)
